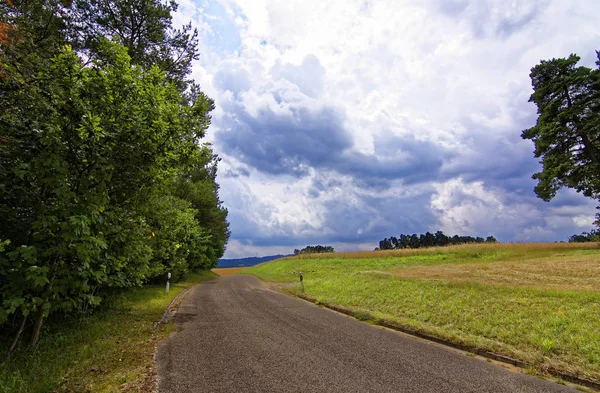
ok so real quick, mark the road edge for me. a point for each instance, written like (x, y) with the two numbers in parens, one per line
(168, 315)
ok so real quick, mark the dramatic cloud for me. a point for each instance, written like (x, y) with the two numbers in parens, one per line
(346, 121)
(286, 143)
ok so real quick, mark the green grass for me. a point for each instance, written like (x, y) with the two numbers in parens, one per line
(111, 350)
(550, 328)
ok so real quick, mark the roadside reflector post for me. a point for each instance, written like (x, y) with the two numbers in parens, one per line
(168, 281)
(301, 280)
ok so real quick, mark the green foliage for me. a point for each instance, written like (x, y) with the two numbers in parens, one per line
(314, 250)
(197, 184)
(103, 181)
(144, 27)
(585, 237)
(177, 239)
(429, 240)
(567, 133)
(99, 352)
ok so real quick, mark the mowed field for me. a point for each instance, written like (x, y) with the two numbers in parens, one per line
(535, 302)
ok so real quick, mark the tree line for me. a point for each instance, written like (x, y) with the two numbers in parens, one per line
(104, 179)
(586, 237)
(314, 250)
(429, 239)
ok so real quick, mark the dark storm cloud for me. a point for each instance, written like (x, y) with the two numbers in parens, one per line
(396, 158)
(497, 155)
(237, 172)
(345, 222)
(282, 144)
(285, 128)
(380, 217)
(292, 144)
(499, 161)
(293, 139)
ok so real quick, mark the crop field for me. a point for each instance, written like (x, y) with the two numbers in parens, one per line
(535, 302)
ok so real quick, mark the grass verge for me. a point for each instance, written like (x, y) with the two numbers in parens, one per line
(504, 298)
(111, 350)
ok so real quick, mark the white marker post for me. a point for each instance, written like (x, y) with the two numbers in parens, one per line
(301, 280)
(168, 281)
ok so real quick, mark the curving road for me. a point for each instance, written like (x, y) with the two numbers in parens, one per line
(234, 335)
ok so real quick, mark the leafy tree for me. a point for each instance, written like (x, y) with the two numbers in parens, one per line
(197, 185)
(314, 250)
(385, 244)
(97, 152)
(178, 242)
(103, 181)
(429, 240)
(415, 241)
(567, 133)
(30, 31)
(441, 239)
(144, 27)
(31, 40)
(585, 237)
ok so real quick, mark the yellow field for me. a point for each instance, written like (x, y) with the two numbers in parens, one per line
(581, 272)
(520, 249)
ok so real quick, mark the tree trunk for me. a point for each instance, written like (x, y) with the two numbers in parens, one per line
(39, 316)
(15, 340)
(588, 147)
(37, 327)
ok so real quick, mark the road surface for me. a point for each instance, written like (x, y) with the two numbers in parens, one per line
(234, 335)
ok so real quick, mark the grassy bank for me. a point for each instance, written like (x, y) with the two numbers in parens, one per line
(111, 350)
(539, 303)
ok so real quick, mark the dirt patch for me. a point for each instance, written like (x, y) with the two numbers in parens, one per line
(227, 271)
(570, 273)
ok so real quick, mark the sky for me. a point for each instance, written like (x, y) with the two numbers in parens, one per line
(343, 122)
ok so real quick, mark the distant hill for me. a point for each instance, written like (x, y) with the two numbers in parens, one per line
(248, 261)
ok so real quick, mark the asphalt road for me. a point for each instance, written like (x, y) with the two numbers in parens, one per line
(234, 335)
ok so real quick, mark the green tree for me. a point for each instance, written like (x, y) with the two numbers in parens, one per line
(585, 237)
(178, 242)
(314, 250)
(103, 180)
(197, 185)
(87, 145)
(144, 27)
(429, 240)
(567, 132)
(441, 239)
